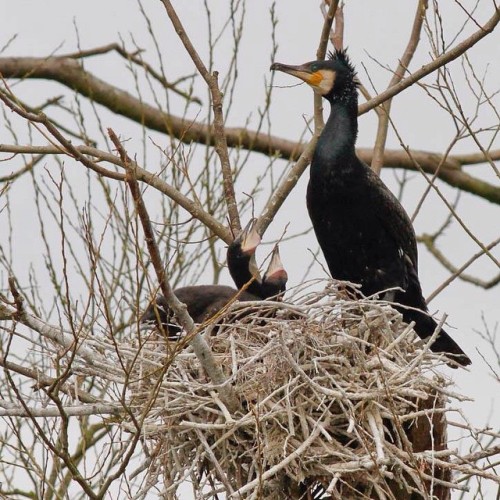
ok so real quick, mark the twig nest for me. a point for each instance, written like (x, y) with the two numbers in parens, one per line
(335, 395)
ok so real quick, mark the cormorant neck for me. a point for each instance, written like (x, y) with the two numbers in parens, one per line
(239, 265)
(338, 138)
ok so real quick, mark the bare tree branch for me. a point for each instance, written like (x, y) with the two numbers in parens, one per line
(458, 272)
(327, 27)
(383, 118)
(219, 134)
(43, 380)
(440, 61)
(200, 346)
(71, 74)
(193, 207)
(71, 411)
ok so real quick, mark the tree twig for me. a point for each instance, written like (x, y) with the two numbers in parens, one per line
(43, 380)
(199, 344)
(68, 72)
(458, 272)
(219, 133)
(383, 118)
(81, 154)
(425, 70)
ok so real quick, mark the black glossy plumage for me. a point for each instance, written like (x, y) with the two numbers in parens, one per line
(203, 301)
(363, 231)
(242, 266)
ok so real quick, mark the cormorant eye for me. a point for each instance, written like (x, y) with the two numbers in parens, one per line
(314, 68)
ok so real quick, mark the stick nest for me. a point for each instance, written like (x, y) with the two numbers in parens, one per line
(337, 400)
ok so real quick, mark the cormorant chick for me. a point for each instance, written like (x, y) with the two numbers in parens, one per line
(362, 229)
(203, 301)
(243, 268)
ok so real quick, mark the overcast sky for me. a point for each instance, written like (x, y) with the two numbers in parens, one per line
(374, 31)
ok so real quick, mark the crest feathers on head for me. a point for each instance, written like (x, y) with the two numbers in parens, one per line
(341, 56)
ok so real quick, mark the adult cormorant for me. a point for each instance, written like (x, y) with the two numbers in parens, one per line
(363, 230)
(203, 301)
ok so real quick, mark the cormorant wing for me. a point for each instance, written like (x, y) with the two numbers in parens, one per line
(394, 217)
(396, 224)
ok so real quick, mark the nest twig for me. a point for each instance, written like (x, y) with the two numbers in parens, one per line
(335, 406)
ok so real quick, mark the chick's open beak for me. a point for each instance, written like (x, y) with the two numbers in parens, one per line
(276, 270)
(249, 238)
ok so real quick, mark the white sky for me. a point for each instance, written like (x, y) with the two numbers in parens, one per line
(373, 30)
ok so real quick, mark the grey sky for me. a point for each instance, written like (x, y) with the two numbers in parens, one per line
(372, 30)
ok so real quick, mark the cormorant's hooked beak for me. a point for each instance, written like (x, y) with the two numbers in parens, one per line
(250, 239)
(303, 72)
(321, 80)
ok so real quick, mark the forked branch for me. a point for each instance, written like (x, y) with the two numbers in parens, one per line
(200, 346)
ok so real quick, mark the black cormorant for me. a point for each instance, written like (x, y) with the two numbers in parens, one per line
(203, 301)
(273, 284)
(363, 230)
(243, 268)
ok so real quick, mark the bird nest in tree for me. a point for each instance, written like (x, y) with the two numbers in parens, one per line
(337, 398)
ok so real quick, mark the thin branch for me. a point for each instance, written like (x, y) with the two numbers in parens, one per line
(337, 34)
(70, 411)
(458, 272)
(221, 145)
(43, 380)
(425, 70)
(59, 336)
(136, 59)
(383, 118)
(27, 168)
(326, 29)
(329, 16)
(199, 344)
(80, 154)
(70, 73)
